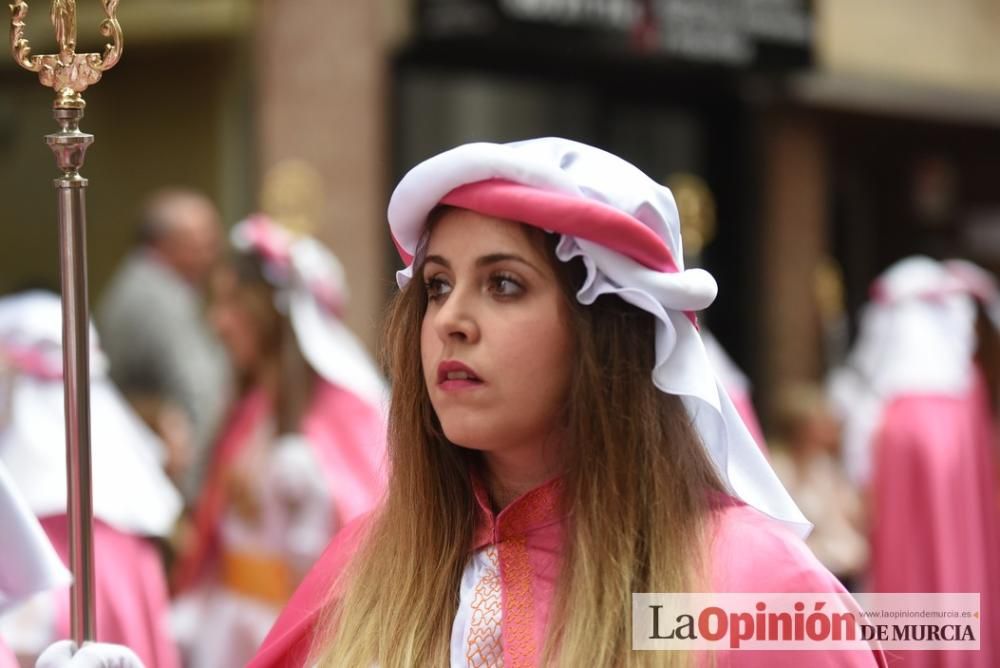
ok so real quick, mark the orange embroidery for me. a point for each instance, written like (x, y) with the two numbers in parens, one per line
(538, 507)
(519, 608)
(510, 530)
(484, 649)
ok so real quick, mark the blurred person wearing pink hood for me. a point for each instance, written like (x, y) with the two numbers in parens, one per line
(920, 436)
(134, 502)
(302, 452)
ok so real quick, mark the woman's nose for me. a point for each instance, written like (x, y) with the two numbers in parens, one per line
(455, 319)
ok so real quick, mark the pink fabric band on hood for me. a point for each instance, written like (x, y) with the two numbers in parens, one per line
(562, 214)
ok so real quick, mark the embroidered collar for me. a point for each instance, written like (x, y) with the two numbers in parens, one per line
(529, 512)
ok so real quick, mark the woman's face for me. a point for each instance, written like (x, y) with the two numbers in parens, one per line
(233, 321)
(495, 340)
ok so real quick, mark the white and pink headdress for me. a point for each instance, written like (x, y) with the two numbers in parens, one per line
(131, 491)
(915, 336)
(981, 284)
(625, 228)
(310, 287)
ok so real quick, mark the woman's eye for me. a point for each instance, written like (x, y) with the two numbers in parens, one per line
(505, 286)
(436, 288)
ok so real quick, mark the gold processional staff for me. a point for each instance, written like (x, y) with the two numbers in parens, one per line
(69, 73)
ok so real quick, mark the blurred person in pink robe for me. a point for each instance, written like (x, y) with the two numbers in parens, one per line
(557, 436)
(302, 452)
(134, 502)
(920, 436)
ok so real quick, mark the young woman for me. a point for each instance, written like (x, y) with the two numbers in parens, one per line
(557, 440)
(303, 451)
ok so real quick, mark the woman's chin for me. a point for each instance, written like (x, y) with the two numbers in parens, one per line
(468, 444)
(469, 438)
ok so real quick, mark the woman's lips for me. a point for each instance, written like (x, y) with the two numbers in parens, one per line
(453, 375)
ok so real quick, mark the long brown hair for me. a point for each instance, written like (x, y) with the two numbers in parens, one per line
(627, 442)
(295, 378)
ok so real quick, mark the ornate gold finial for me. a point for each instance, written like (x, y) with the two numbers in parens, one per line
(696, 207)
(292, 195)
(69, 73)
(63, 17)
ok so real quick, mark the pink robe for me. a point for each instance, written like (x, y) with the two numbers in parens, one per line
(348, 438)
(7, 658)
(131, 592)
(751, 553)
(935, 523)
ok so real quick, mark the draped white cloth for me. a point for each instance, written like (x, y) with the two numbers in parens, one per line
(28, 564)
(131, 492)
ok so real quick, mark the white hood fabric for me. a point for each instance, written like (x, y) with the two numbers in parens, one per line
(29, 564)
(981, 284)
(916, 336)
(131, 491)
(311, 287)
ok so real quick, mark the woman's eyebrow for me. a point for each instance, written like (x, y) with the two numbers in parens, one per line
(437, 259)
(483, 261)
(494, 258)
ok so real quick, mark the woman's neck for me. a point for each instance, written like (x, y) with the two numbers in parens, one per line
(512, 472)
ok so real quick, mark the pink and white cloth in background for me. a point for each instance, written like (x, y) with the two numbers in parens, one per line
(133, 499)
(305, 486)
(920, 434)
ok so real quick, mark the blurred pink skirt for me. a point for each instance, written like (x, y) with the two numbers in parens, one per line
(132, 600)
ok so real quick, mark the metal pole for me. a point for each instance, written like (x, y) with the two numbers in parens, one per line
(69, 74)
(69, 146)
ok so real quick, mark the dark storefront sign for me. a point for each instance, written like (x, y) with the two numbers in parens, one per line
(766, 34)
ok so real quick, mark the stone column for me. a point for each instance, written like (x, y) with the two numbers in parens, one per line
(794, 240)
(321, 69)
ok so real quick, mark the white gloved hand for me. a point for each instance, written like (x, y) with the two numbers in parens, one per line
(92, 655)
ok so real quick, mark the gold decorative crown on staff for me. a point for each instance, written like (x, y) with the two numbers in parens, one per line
(69, 73)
